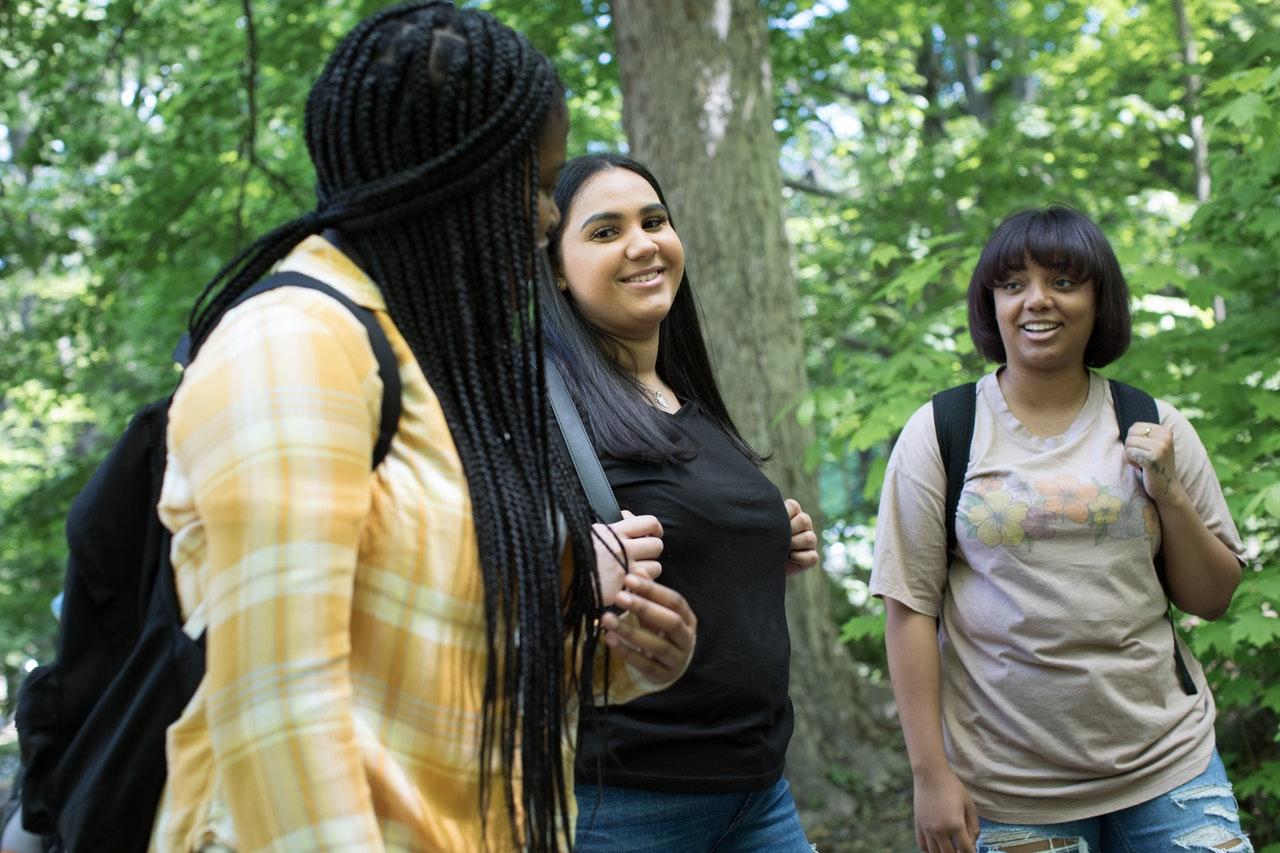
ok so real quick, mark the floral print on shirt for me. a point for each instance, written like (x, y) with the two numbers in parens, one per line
(1012, 512)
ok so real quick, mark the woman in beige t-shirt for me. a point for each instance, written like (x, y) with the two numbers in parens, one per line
(1033, 664)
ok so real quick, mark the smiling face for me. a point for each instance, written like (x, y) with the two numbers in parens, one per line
(620, 259)
(1045, 318)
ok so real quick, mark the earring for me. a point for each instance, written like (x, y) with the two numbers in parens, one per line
(562, 285)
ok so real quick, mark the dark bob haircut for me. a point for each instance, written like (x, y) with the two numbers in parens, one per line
(1064, 240)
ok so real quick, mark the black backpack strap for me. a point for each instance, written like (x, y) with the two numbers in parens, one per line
(953, 414)
(1134, 405)
(388, 367)
(585, 461)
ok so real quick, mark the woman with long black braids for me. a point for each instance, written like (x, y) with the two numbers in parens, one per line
(382, 646)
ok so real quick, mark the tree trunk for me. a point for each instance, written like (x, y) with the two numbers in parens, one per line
(698, 110)
(1195, 120)
(1191, 101)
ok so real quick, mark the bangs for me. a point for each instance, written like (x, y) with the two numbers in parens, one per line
(1056, 239)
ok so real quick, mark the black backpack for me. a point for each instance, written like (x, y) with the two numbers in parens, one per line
(953, 414)
(92, 724)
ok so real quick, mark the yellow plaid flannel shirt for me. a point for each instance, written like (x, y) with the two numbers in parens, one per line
(341, 704)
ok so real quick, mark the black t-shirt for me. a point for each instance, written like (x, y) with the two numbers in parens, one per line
(724, 726)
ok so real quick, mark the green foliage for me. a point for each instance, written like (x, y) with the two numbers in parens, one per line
(142, 145)
(910, 130)
(132, 166)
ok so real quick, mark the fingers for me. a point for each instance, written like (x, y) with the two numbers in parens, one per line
(640, 537)
(658, 639)
(801, 524)
(649, 568)
(936, 842)
(801, 561)
(969, 842)
(630, 545)
(1150, 447)
(636, 526)
(1149, 437)
(1139, 456)
(658, 608)
(804, 542)
(1145, 429)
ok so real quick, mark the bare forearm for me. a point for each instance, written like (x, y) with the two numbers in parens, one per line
(1200, 570)
(911, 640)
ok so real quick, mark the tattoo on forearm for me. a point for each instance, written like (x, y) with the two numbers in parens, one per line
(1164, 473)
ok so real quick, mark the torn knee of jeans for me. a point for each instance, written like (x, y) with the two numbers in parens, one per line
(1203, 792)
(1213, 837)
(1031, 841)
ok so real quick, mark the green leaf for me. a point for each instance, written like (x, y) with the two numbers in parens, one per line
(1268, 498)
(1243, 110)
(861, 627)
(805, 411)
(882, 254)
(1255, 628)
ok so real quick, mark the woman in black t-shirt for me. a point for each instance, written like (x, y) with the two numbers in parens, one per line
(697, 766)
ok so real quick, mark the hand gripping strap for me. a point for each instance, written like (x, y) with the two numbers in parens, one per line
(585, 462)
(1133, 405)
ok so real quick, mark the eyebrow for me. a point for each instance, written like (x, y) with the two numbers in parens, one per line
(611, 215)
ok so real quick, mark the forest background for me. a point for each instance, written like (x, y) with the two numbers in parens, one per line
(143, 141)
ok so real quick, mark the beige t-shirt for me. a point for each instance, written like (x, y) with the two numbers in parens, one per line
(1060, 699)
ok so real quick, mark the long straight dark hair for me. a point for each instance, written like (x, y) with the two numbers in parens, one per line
(622, 424)
(424, 130)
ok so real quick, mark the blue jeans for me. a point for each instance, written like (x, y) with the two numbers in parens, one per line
(1199, 815)
(631, 820)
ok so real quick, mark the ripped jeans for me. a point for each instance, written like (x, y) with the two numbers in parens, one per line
(1200, 815)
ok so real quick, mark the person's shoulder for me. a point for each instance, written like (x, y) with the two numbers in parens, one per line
(921, 420)
(1169, 413)
(279, 320)
(917, 444)
(921, 423)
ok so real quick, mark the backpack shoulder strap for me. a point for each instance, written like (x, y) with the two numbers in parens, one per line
(1132, 405)
(953, 414)
(585, 461)
(388, 367)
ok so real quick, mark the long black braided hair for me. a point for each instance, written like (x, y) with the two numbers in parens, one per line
(423, 128)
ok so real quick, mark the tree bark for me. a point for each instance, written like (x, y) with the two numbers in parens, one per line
(1195, 121)
(698, 110)
(1191, 101)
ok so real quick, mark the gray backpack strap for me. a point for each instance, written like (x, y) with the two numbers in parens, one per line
(583, 454)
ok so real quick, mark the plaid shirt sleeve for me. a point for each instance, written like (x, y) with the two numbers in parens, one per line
(274, 426)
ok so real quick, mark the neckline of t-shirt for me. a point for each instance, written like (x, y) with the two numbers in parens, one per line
(989, 389)
(686, 405)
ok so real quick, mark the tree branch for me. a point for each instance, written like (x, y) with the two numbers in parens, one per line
(248, 145)
(812, 188)
(1191, 101)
